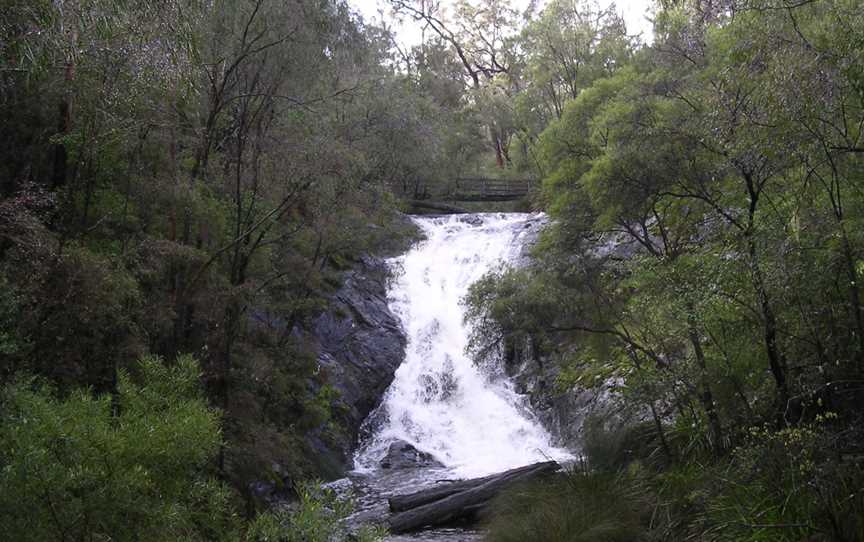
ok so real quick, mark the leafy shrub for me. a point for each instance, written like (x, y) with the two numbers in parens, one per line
(73, 469)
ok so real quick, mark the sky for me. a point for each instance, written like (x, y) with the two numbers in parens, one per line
(633, 11)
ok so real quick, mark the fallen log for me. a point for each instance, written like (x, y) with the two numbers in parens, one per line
(435, 206)
(469, 498)
(400, 503)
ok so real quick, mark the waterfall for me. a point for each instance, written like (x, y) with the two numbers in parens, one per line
(467, 417)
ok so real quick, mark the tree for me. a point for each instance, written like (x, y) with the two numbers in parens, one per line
(569, 45)
(482, 39)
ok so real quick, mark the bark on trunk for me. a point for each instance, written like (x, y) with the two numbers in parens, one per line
(854, 292)
(776, 359)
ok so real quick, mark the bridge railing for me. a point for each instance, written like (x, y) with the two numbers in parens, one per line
(480, 188)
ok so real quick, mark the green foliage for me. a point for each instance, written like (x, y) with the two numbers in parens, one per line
(316, 517)
(568, 46)
(787, 481)
(196, 177)
(73, 468)
(11, 341)
(576, 507)
(611, 446)
(78, 309)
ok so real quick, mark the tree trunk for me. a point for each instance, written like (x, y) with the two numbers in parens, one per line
(499, 153)
(658, 425)
(400, 503)
(854, 293)
(776, 359)
(705, 394)
(460, 500)
(64, 127)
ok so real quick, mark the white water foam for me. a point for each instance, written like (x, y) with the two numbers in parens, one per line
(469, 418)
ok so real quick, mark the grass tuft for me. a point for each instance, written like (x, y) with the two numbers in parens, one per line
(576, 507)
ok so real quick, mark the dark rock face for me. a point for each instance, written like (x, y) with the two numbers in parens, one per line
(360, 345)
(561, 411)
(402, 455)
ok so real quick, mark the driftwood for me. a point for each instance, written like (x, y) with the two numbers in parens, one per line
(400, 503)
(435, 206)
(445, 504)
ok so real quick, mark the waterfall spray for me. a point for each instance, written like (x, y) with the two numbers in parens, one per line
(468, 417)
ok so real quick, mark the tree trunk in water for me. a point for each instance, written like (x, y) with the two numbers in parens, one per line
(458, 501)
(400, 503)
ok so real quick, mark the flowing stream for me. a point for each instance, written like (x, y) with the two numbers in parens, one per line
(467, 417)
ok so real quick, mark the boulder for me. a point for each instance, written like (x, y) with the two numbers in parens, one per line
(402, 455)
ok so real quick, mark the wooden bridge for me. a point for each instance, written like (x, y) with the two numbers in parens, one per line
(486, 189)
(446, 198)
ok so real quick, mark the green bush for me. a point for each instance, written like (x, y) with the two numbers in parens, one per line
(599, 507)
(317, 517)
(90, 468)
(791, 484)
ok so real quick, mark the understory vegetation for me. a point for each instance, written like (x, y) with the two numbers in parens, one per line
(185, 183)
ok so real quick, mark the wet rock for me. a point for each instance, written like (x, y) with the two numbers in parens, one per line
(343, 488)
(360, 344)
(472, 219)
(402, 455)
(534, 373)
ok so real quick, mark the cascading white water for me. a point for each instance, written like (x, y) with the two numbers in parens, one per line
(470, 419)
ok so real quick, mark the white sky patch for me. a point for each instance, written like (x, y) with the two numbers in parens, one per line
(635, 13)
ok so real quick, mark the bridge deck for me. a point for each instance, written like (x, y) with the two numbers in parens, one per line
(485, 189)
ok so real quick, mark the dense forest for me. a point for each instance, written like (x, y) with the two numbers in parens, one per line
(183, 184)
